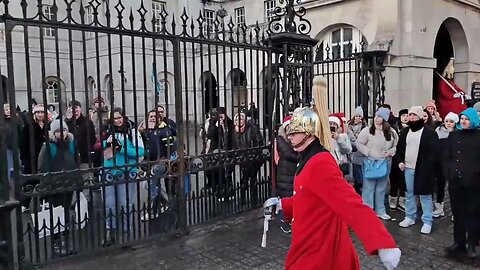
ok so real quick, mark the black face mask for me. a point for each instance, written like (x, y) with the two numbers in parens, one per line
(416, 125)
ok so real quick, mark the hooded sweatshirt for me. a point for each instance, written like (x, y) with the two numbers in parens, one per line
(471, 113)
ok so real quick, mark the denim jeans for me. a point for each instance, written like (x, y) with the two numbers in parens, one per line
(373, 194)
(116, 201)
(410, 202)
(374, 191)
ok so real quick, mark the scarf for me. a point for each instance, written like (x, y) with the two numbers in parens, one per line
(416, 125)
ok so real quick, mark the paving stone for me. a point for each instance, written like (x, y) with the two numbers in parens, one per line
(235, 244)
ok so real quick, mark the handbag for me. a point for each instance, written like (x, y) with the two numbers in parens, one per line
(375, 169)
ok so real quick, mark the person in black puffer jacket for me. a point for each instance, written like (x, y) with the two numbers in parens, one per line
(286, 160)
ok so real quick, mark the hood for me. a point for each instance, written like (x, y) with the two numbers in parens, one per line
(471, 113)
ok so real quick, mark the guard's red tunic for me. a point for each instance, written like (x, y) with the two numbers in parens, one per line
(446, 102)
(322, 208)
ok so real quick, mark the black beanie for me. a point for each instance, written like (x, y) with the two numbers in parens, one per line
(402, 112)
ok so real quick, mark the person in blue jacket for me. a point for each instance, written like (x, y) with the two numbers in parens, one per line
(121, 155)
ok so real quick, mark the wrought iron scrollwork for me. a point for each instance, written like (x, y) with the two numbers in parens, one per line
(294, 21)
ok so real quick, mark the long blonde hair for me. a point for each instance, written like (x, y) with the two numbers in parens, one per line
(320, 105)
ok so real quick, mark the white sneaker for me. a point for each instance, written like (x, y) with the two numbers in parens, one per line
(392, 202)
(401, 204)
(426, 229)
(407, 222)
(384, 217)
(438, 212)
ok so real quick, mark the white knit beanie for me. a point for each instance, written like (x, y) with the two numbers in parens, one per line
(452, 116)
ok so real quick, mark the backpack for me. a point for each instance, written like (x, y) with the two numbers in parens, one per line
(53, 149)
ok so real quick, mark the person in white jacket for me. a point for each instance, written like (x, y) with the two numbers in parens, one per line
(377, 142)
(341, 146)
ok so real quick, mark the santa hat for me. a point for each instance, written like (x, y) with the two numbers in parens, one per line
(287, 119)
(431, 103)
(336, 118)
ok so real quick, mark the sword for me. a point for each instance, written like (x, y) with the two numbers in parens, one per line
(268, 212)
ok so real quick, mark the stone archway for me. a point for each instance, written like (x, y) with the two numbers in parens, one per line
(451, 41)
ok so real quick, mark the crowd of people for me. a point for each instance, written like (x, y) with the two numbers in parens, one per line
(403, 163)
(108, 147)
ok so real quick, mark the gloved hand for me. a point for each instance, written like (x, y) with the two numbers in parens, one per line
(390, 257)
(274, 201)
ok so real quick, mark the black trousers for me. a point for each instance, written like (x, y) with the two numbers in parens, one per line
(397, 182)
(248, 183)
(465, 203)
(440, 187)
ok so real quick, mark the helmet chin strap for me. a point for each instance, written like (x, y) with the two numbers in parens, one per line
(302, 142)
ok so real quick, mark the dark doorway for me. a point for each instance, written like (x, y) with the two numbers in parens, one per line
(210, 91)
(239, 89)
(443, 51)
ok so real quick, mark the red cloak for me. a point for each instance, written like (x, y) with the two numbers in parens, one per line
(447, 101)
(321, 210)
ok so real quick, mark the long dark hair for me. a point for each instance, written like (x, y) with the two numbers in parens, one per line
(386, 128)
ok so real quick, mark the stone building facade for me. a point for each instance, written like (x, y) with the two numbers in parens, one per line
(418, 37)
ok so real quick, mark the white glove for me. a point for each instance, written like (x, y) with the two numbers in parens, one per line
(390, 257)
(274, 201)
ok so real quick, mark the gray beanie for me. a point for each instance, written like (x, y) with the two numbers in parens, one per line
(55, 125)
(358, 111)
(476, 106)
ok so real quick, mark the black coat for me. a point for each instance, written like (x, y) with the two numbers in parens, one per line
(287, 166)
(426, 160)
(83, 131)
(461, 158)
(39, 137)
(220, 139)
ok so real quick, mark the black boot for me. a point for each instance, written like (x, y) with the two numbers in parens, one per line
(471, 253)
(456, 248)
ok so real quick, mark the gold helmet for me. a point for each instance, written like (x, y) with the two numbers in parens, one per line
(304, 120)
(313, 121)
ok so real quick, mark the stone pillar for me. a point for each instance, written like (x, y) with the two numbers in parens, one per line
(409, 81)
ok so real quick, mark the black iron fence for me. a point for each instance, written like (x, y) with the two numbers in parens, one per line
(355, 77)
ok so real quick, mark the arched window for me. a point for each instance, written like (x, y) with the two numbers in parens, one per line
(340, 41)
(53, 86)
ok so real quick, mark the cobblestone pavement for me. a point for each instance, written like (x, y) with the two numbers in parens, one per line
(234, 243)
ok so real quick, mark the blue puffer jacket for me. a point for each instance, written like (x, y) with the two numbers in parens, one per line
(126, 156)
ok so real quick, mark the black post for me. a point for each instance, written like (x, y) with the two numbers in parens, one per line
(291, 51)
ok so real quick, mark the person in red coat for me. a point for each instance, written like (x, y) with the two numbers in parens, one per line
(324, 205)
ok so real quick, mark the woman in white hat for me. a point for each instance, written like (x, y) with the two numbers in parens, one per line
(443, 131)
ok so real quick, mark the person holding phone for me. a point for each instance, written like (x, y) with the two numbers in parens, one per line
(341, 146)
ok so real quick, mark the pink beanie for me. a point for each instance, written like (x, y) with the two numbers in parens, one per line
(431, 103)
